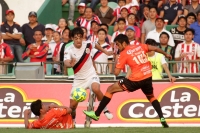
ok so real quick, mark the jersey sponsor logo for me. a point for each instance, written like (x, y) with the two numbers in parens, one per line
(13, 103)
(180, 103)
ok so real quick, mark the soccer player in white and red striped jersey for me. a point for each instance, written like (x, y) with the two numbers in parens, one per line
(188, 51)
(78, 57)
(117, 11)
(101, 57)
(86, 22)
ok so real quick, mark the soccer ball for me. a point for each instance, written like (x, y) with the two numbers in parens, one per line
(79, 94)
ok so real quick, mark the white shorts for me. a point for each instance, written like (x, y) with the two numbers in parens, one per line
(84, 83)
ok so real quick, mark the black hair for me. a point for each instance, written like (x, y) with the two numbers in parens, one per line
(198, 12)
(104, 24)
(77, 31)
(37, 30)
(67, 28)
(36, 106)
(121, 38)
(164, 33)
(146, 6)
(191, 14)
(57, 32)
(151, 42)
(122, 0)
(153, 7)
(101, 29)
(121, 19)
(136, 18)
(84, 28)
(87, 8)
(190, 30)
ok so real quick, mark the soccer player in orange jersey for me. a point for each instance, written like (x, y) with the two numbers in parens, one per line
(50, 117)
(140, 75)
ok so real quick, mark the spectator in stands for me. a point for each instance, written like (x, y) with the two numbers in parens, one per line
(81, 10)
(193, 7)
(130, 33)
(48, 39)
(154, 34)
(131, 2)
(6, 55)
(149, 24)
(132, 22)
(66, 39)
(134, 9)
(124, 11)
(106, 28)
(86, 22)
(104, 12)
(56, 52)
(37, 51)
(195, 26)
(121, 23)
(188, 51)
(71, 12)
(116, 12)
(93, 3)
(170, 11)
(99, 56)
(191, 18)
(158, 63)
(178, 32)
(85, 38)
(62, 24)
(142, 13)
(164, 39)
(29, 29)
(11, 34)
(95, 27)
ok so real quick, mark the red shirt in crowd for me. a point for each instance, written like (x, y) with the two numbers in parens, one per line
(5, 51)
(38, 54)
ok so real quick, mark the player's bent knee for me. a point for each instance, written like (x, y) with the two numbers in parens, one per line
(111, 89)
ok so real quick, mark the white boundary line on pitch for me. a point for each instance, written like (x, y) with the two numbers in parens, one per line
(110, 125)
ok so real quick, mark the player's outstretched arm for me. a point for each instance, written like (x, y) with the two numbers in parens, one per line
(97, 46)
(156, 49)
(165, 67)
(27, 112)
(69, 110)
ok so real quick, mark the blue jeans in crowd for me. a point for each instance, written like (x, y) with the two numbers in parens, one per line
(71, 9)
(17, 51)
(93, 3)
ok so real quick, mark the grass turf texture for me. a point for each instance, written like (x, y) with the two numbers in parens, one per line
(108, 130)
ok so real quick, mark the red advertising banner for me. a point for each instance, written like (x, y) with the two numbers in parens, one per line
(180, 104)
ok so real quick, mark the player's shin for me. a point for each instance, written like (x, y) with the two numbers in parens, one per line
(106, 99)
(74, 116)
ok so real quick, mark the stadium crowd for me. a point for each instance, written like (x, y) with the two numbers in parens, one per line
(140, 20)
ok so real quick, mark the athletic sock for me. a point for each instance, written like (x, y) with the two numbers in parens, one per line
(106, 99)
(157, 107)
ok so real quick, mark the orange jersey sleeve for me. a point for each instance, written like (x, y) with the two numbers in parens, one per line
(121, 62)
(35, 125)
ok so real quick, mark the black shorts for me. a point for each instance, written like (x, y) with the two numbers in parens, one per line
(130, 86)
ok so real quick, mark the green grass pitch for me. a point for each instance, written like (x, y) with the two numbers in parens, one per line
(107, 130)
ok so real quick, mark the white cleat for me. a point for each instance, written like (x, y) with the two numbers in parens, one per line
(108, 115)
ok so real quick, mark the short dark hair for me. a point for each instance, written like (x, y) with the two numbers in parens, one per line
(36, 106)
(190, 30)
(67, 28)
(121, 38)
(121, 19)
(87, 8)
(103, 24)
(191, 14)
(38, 30)
(101, 29)
(77, 31)
(153, 7)
(198, 12)
(147, 6)
(151, 42)
(122, 0)
(57, 32)
(164, 33)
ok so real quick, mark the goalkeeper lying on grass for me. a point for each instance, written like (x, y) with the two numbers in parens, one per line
(49, 117)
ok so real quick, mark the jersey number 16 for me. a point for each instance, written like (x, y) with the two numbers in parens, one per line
(141, 58)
